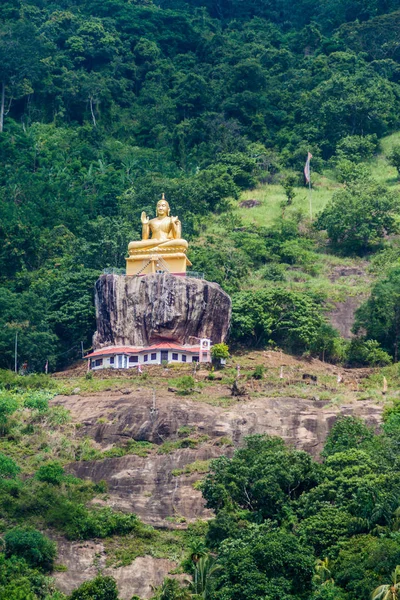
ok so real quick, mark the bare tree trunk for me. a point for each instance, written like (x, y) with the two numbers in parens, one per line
(92, 111)
(3, 98)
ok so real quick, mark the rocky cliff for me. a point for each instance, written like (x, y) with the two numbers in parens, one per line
(150, 486)
(138, 311)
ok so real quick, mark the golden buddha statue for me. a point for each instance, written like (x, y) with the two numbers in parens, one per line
(164, 251)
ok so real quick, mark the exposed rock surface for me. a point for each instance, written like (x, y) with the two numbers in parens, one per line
(146, 485)
(138, 311)
(84, 559)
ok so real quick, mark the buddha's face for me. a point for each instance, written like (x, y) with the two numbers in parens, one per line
(162, 208)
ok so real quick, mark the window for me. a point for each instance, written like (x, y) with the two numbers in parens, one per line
(98, 362)
(183, 357)
(145, 357)
(195, 359)
(174, 356)
(154, 356)
(111, 360)
(133, 359)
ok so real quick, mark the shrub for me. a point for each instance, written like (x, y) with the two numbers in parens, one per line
(258, 372)
(357, 147)
(8, 406)
(359, 216)
(361, 352)
(8, 468)
(33, 546)
(185, 385)
(219, 351)
(37, 401)
(52, 472)
(100, 588)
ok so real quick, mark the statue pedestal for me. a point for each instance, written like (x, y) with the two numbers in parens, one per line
(145, 262)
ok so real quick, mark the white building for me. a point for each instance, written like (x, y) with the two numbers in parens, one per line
(125, 357)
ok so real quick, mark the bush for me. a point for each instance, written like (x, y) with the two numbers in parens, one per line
(359, 216)
(37, 401)
(100, 588)
(366, 353)
(79, 523)
(185, 384)
(8, 468)
(220, 351)
(52, 472)
(394, 157)
(258, 372)
(357, 148)
(8, 406)
(33, 546)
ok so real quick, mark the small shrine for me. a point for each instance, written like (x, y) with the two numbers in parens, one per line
(165, 251)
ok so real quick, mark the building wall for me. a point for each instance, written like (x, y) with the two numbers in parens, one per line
(124, 362)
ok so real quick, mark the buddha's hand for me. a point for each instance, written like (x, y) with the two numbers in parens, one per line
(145, 219)
(175, 220)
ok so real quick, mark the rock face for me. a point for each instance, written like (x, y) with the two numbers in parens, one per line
(139, 311)
(84, 559)
(148, 486)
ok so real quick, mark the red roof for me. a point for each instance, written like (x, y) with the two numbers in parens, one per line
(112, 350)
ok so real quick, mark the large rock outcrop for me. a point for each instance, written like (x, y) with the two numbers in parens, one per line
(138, 311)
(147, 485)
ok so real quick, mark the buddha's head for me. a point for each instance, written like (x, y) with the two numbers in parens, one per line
(162, 207)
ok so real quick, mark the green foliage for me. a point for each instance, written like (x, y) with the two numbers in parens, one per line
(8, 406)
(359, 216)
(356, 148)
(33, 546)
(51, 472)
(292, 320)
(171, 589)
(394, 157)
(261, 478)
(185, 384)
(379, 316)
(219, 351)
(100, 588)
(368, 353)
(8, 467)
(258, 372)
(347, 433)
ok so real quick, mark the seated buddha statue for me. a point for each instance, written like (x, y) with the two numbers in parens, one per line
(165, 250)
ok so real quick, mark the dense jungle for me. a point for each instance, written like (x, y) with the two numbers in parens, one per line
(106, 104)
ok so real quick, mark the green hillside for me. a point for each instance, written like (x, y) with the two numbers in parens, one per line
(104, 106)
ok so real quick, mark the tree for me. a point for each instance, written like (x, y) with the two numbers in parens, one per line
(261, 478)
(388, 591)
(33, 546)
(8, 467)
(264, 563)
(290, 319)
(20, 65)
(394, 157)
(359, 216)
(347, 432)
(171, 590)
(204, 573)
(379, 316)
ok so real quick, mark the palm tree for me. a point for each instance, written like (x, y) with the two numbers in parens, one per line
(323, 573)
(389, 591)
(203, 574)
